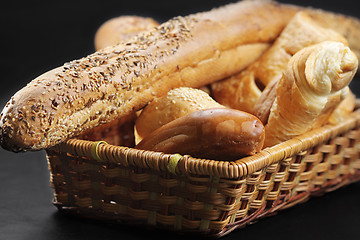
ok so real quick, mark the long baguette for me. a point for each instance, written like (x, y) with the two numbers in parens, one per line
(186, 51)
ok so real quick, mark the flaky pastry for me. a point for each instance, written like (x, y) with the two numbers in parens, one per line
(243, 90)
(313, 85)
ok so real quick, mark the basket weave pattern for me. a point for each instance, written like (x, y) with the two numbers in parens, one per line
(185, 194)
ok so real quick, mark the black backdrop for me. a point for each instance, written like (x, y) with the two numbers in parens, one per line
(40, 35)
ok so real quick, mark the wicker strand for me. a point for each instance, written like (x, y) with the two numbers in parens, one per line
(298, 144)
(188, 165)
(95, 151)
(182, 193)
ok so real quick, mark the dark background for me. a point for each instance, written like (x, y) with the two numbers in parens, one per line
(40, 35)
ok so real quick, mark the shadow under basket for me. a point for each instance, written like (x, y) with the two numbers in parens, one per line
(124, 185)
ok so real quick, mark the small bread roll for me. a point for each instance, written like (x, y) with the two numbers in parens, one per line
(313, 85)
(243, 90)
(217, 134)
(176, 103)
(121, 29)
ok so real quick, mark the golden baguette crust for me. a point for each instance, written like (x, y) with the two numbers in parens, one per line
(118, 80)
(347, 26)
(243, 90)
(185, 51)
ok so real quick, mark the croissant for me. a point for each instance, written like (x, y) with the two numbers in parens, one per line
(314, 83)
(243, 90)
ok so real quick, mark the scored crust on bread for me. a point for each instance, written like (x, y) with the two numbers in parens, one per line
(121, 79)
(243, 90)
(312, 86)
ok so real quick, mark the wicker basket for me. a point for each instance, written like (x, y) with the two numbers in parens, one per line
(121, 184)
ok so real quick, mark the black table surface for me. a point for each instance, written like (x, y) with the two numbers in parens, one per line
(41, 35)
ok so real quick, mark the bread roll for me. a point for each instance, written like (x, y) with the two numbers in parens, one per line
(116, 81)
(217, 133)
(312, 86)
(176, 103)
(243, 90)
(122, 29)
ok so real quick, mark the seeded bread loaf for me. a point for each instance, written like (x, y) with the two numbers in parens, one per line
(187, 51)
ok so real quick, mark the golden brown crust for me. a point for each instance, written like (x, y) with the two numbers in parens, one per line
(119, 80)
(239, 91)
(265, 102)
(347, 26)
(217, 133)
(346, 107)
(311, 88)
(243, 90)
(122, 29)
(176, 103)
(122, 79)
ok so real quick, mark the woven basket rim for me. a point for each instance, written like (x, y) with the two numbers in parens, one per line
(187, 165)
